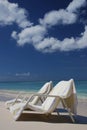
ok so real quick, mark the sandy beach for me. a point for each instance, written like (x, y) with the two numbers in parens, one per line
(36, 121)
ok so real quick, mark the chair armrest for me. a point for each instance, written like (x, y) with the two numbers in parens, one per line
(41, 95)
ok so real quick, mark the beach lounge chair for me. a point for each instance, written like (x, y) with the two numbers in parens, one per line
(63, 92)
(45, 89)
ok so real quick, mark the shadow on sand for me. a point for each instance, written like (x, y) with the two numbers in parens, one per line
(52, 118)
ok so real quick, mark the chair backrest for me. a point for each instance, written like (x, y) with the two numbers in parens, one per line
(62, 89)
(45, 89)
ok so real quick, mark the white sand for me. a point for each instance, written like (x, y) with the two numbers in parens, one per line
(39, 122)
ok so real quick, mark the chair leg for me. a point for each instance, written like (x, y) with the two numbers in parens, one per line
(69, 112)
(58, 113)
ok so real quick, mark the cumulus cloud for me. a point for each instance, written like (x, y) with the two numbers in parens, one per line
(52, 44)
(11, 13)
(58, 17)
(14, 35)
(63, 16)
(38, 35)
(75, 5)
(30, 35)
(82, 41)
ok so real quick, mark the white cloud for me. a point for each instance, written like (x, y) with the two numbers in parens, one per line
(68, 44)
(14, 35)
(58, 17)
(51, 44)
(75, 5)
(82, 41)
(10, 13)
(30, 35)
(23, 74)
(37, 35)
(48, 45)
(63, 16)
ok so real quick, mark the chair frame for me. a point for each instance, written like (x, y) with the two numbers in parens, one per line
(47, 95)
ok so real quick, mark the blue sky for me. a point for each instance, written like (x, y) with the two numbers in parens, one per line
(43, 40)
